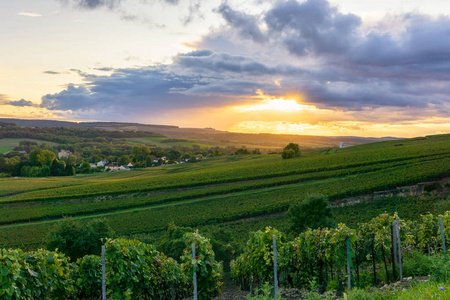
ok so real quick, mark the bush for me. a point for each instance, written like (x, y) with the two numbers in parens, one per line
(418, 264)
(313, 212)
(77, 239)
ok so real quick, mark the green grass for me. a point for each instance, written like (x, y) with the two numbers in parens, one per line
(415, 291)
(159, 141)
(8, 144)
(4, 149)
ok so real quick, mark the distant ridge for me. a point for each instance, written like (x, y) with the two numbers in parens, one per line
(214, 137)
(71, 124)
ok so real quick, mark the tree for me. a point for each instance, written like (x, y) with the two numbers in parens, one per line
(256, 151)
(291, 150)
(77, 239)
(39, 157)
(241, 151)
(313, 212)
(85, 168)
(288, 154)
(124, 160)
(140, 153)
(57, 167)
(69, 170)
(72, 160)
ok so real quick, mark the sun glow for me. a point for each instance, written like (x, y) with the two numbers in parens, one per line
(283, 105)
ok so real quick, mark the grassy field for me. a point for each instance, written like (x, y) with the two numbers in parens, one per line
(8, 144)
(159, 141)
(216, 190)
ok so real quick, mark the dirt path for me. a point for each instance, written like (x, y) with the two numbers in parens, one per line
(230, 290)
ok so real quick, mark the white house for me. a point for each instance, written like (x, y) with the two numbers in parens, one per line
(64, 154)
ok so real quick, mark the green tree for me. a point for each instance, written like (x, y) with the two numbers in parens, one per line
(72, 159)
(313, 212)
(77, 239)
(288, 154)
(256, 151)
(57, 167)
(241, 151)
(84, 168)
(39, 157)
(124, 160)
(291, 150)
(140, 153)
(69, 170)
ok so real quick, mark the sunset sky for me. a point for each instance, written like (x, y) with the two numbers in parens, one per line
(317, 67)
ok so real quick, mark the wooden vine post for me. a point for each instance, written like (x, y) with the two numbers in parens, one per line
(194, 271)
(349, 261)
(442, 235)
(275, 275)
(399, 248)
(103, 274)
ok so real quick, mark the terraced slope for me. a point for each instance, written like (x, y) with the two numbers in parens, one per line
(213, 190)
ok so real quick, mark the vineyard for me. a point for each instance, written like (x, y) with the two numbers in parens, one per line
(213, 191)
(365, 256)
(135, 270)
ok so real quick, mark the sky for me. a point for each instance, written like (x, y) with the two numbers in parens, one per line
(315, 67)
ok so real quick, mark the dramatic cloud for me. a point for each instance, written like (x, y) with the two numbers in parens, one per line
(312, 27)
(247, 25)
(306, 50)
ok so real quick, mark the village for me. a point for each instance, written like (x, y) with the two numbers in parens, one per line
(106, 166)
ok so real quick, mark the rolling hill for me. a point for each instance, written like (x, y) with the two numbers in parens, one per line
(214, 190)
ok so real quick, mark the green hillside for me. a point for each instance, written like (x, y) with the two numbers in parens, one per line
(215, 190)
(8, 144)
